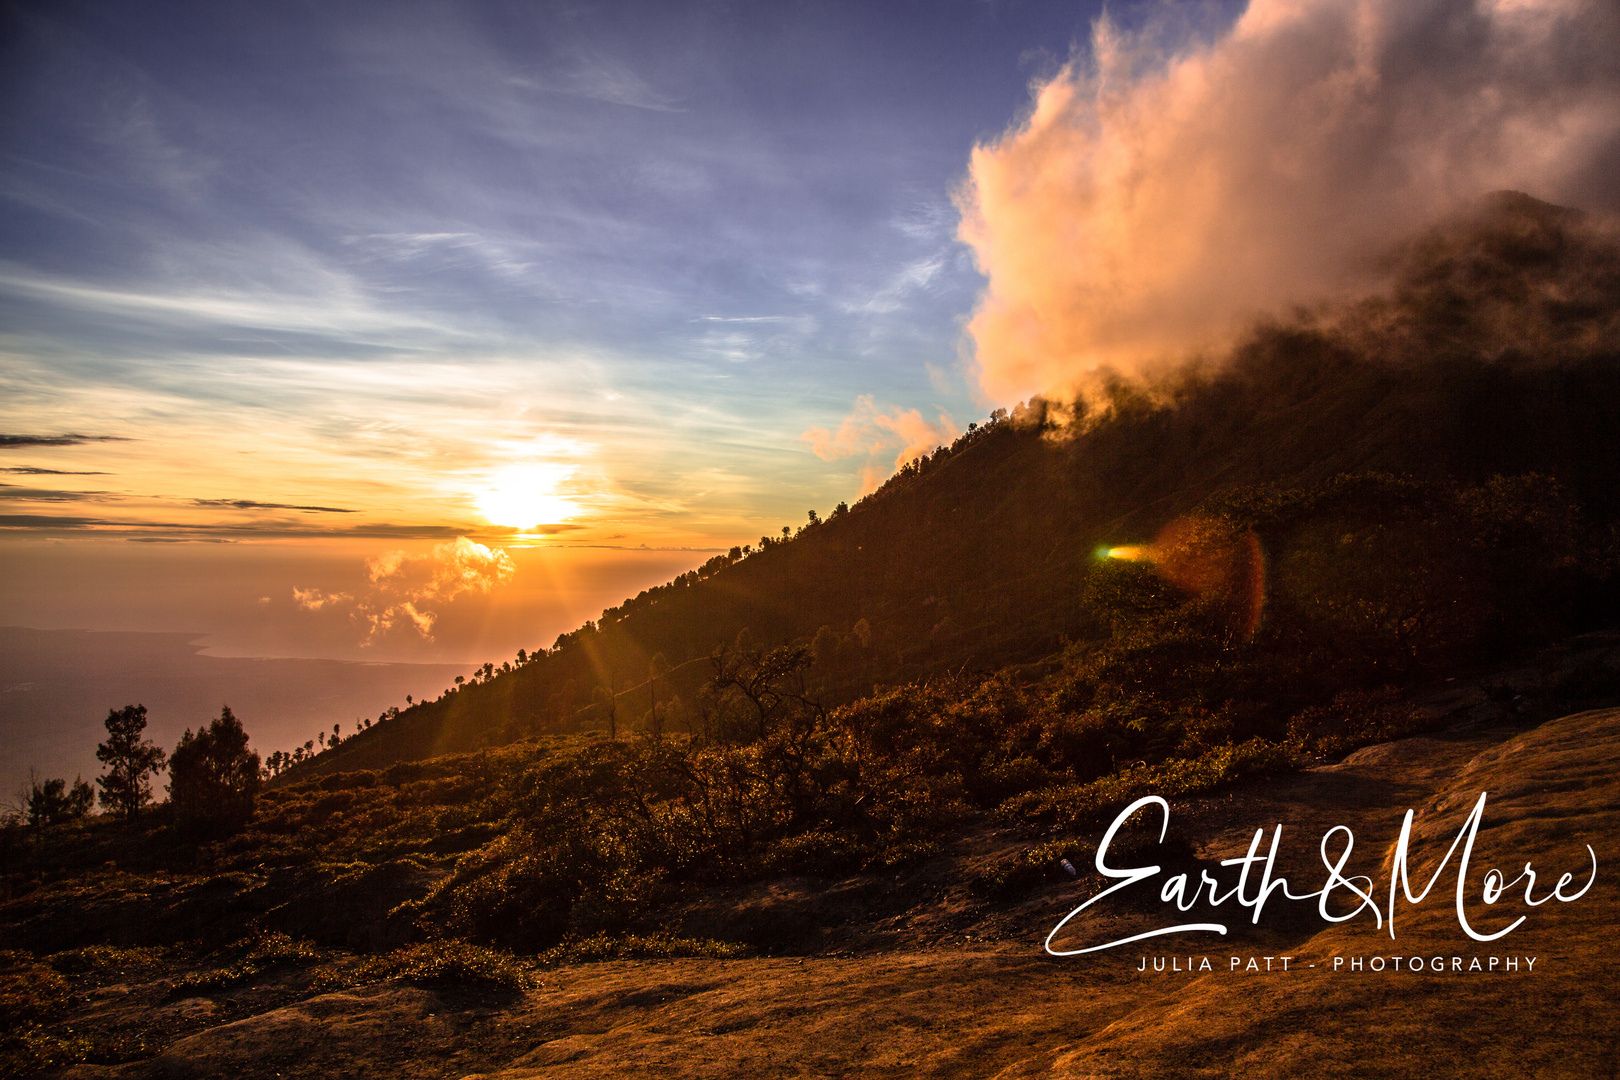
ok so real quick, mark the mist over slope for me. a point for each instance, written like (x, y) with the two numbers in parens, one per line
(1495, 352)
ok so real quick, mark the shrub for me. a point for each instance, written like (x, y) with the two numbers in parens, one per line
(1356, 718)
(98, 958)
(450, 960)
(645, 947)
(1028, 868)
(1085, 806)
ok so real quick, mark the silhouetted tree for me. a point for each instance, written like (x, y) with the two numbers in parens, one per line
(213, 776)
(52, 802)
(130, 761)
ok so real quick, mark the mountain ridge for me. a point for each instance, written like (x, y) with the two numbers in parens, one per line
(977, 556)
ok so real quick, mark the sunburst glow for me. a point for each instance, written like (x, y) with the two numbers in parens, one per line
(526, 496)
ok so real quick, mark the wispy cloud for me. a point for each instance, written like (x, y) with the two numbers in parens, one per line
(485, 232)
(250, 504)
(599, 79)
(13, 442)
(339, 311)
(911, 279)
(21, 494)
(152, 527)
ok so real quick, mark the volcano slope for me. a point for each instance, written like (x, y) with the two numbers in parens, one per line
(1495, 353)
(919, 975)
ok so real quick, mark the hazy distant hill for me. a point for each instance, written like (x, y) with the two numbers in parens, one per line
(57, 685)
(1496, 351)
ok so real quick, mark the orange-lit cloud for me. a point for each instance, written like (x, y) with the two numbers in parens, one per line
(444, 573)
(401, 584)
(868, 431)
(1154, 202)
(315, 599)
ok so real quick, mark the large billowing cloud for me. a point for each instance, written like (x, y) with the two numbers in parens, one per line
(1153, 203)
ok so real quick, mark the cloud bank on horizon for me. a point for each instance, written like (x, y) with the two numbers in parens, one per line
(1155, 201)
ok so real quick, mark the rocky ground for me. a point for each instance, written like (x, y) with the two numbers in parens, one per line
(928, 974)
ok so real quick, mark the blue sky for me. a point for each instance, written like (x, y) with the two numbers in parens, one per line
(404, 246)
(388, 280)
(346, 279)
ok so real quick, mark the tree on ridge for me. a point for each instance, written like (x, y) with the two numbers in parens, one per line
(213, 776)
(130, 761)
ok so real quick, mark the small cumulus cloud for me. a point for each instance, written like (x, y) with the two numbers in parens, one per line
(401, 585)
(870, 431)
(315, 599)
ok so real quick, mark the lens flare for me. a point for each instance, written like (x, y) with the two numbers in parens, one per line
(1128, 552)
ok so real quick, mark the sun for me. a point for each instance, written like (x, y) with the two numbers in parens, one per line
(525, 496)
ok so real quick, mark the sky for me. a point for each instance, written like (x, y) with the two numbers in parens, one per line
(356, 279)
(425, 331)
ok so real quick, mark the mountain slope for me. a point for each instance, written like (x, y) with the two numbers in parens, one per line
(1495, 351)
